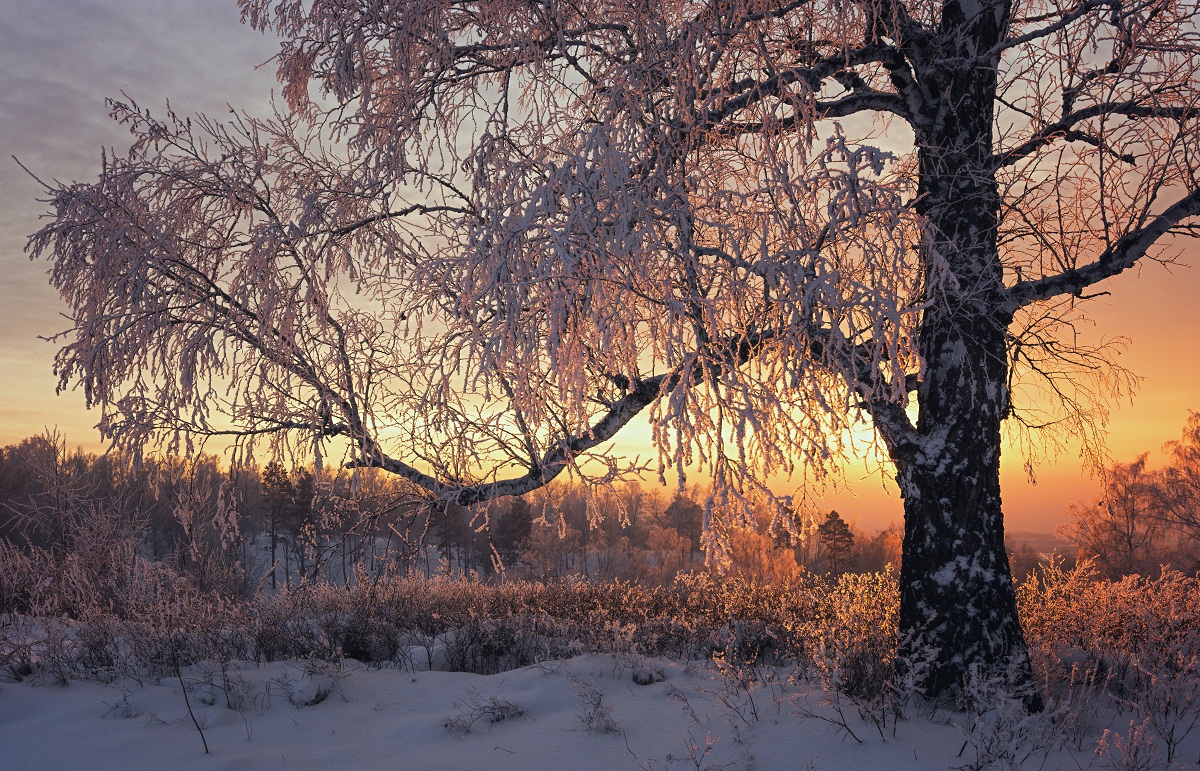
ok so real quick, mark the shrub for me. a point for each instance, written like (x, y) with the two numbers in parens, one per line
(1132, 645)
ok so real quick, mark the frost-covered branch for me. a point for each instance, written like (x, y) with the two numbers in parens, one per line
(1116, 259)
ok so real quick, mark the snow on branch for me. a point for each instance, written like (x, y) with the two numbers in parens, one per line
(1119, 257)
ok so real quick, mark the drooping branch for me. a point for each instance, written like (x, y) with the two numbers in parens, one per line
(736, 352)
(552, 463)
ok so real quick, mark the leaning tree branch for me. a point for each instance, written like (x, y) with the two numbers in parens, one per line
(864, 101)
(737, 351)
(1119, 257)
(893, 423)
(1064, 127)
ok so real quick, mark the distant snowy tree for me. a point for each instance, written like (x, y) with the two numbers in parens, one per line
(1180, 482)
(479, 238)
(1123, 530)
(1146, 518)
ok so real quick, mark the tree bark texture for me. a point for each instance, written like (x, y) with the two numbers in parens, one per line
(957, 599)
(957, 602)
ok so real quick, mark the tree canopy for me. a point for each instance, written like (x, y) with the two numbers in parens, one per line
(478, 238)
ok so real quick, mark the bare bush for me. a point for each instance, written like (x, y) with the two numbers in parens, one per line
(596, 716)
(476, 710)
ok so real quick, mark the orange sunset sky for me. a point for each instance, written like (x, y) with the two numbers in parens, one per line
(63, 58)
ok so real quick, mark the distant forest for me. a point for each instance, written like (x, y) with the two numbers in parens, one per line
(275, 527)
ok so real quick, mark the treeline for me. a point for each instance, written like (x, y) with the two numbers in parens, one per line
(273, 527)
(231, 531)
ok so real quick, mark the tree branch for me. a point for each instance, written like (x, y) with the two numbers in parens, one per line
(1117, 258)
(752, 92)
(739, 350)
(1063, 128)
(1065, 20)
(864, 101)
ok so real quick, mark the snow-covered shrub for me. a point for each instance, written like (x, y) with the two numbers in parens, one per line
(1133, 643)
(26, 580)
(98, 643)
(596, 716)
(478, 710)
(487, 646)
(997, 727)
(236, 687)
(315, 681)
(17, 636)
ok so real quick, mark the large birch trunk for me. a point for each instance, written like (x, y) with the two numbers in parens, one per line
(957, 601)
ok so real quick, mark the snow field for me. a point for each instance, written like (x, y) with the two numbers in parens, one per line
(583, 713)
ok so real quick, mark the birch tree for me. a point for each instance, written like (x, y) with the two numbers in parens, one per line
(477, 238)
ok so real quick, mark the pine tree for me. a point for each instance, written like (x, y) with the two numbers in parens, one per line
(837, 540)
(279, 499)
(513, 526)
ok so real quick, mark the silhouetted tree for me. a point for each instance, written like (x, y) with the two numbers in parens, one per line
(512, 528)
(686, 516)
(279, 499)
(836, 541)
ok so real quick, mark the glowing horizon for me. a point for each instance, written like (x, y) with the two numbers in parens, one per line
(67, 57)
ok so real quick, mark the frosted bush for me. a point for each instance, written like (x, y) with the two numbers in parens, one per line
(1133, 644)
(851, 640)
(1131, 750)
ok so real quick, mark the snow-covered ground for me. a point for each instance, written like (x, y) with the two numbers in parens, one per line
(583, 713)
